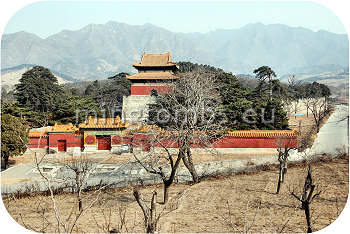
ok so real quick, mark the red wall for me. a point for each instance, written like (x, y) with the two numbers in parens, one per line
(33, 142)
(70, 138)
(146, 90)
(141, 140)
(255, 142)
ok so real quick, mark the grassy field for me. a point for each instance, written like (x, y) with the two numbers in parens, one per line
(210, 206)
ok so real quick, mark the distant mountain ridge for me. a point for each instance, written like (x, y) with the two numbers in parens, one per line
(98, 51)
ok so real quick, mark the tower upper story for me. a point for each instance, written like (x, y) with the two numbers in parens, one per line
(156, 63)
(155, 71)
(154, 67)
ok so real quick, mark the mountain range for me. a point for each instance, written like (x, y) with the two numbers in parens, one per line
(98, 51)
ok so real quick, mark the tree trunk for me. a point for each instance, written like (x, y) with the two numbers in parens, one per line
(168, 182)
(284, 171)
(187, 160)
(166, 194)
(278, 187)
(307, 216)
(80, 204)
(148, 213)
(6, 161)
(280, 180)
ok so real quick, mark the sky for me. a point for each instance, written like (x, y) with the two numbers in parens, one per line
(50, 17)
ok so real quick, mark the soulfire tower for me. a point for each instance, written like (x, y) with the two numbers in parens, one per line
(155, 72)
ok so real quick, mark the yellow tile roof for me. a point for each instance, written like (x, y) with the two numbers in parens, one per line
(155, 60)
(52, 129)
(152, 76)
(79, 134)
(148, 128)
(262, 133)
(63, 128)
(104, 123)
(236, 133)
(38, 133)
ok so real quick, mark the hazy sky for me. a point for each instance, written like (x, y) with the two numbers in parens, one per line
(47, 18)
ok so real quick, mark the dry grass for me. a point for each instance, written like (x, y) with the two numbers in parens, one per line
(203, 208)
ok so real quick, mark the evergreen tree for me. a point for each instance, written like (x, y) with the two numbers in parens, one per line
(251, 109)
(235, 100)
(91, 89)
(111, 94)
(69, 107)
(38, 89)
(264, 74)
(14, 136)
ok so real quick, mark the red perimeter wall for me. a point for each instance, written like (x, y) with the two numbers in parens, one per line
(146, 90)
(255, 142)
(141, 140)
(71, 139)
(33, 142)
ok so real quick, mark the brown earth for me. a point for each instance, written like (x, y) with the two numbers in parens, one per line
(204, 207)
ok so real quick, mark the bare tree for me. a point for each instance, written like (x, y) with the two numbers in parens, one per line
(162, 162)
(287, 105)
(41, 210)
(151, 217)
(307, 103)
(148, 212)
(283, 154)
(296, 107)
(190, 112)
(65, 224)
(307, 197)
(81, 168)
(106, 224)
(317, 106)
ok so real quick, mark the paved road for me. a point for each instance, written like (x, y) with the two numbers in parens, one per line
(334, 134)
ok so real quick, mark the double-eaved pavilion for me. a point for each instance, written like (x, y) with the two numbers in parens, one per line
(155, 72)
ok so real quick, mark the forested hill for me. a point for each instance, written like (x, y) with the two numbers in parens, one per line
(98, 51)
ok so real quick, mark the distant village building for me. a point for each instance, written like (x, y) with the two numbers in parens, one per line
(155, 71)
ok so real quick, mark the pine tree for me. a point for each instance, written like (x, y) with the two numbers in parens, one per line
(38, 89)
(14, 136)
